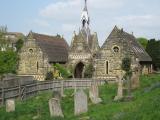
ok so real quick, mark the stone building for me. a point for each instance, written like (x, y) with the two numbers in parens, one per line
(119, 44)
(84, 46)
(39, 53)
(107, 60)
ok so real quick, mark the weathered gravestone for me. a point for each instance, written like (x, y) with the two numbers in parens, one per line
(55, 108)
(10, 105)
(135, 79)
(56, 94)
(119, 91)
(94, 94)
(80, 102)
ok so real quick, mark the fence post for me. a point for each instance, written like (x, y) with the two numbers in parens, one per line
(3, 94)
(19, 91)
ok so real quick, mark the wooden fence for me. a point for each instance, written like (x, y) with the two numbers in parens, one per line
(24, 91)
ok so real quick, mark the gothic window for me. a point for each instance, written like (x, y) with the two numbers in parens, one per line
(37, 66)
(116, 49)
(107, 67)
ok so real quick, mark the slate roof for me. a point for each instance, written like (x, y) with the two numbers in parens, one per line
(118, 35)
(55, 47)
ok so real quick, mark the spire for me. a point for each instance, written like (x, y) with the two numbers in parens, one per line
(85, 16)
(85, 7)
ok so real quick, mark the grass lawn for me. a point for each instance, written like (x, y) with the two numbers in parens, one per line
(145, 106)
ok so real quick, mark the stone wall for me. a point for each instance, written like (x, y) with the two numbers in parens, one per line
(109, 61)
(33, 61)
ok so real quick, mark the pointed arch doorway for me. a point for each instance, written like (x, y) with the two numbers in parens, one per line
(78, 73)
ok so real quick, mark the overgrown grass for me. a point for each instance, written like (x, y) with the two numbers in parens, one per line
(145, 106)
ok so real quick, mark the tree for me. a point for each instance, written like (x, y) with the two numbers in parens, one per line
(89, 71)
(153, 49)
(8, 62)
(19, 44)
(65, 73)
(143, 41)
(126, 66)
(3, 39)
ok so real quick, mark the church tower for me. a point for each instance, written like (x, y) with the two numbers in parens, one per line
(83, 46)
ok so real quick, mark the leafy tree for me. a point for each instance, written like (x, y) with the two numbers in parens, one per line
(143, 41)
(71, 70)
(3, 39)
(19, 44)
(8, 62)
(153, 49)
(89, 71)
(126, 66)
(65, 73)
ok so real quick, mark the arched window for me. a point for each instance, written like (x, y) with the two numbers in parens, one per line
(107, 67)
(116, 49)
(31, 50)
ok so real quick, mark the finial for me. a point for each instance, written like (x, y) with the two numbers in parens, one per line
(132, 33)
(74, 33)
(30, 35)
(85, 8)
(122, 30)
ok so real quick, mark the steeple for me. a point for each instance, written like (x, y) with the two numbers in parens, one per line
(85, 16)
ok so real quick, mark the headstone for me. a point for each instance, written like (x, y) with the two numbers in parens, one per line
(94, 94)
(56, 94)
(135, 79)
(10, 105)
(119, 91)
(55, 108)
(80, 102)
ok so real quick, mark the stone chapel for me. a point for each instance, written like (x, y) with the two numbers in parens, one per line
(41, 51)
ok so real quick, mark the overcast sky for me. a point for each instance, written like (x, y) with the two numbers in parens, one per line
(142, 17)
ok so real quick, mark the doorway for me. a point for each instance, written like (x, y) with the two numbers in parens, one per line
(79, 70)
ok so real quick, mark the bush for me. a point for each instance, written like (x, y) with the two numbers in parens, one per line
(65, 73)
(49, 76)
(89, 71)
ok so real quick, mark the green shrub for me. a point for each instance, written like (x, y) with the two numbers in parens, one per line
(65, 73)
(89, 71)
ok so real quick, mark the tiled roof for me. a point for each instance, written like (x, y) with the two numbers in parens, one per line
(55, 47)
(120, 36)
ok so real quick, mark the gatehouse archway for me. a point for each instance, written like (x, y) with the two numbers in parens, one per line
(78, 73)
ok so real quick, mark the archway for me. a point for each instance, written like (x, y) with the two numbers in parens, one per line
(78, 73)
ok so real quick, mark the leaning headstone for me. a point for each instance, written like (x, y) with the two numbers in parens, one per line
(55, 108)
(119, 91)
(10, 105)
(94, 94)
(80, 102)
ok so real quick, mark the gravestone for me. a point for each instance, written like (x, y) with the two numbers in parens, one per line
(56, 94)
(135, 79)
(55, 108)
(94, 94)
(80, 102)
(10, 105)
(119, 91)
